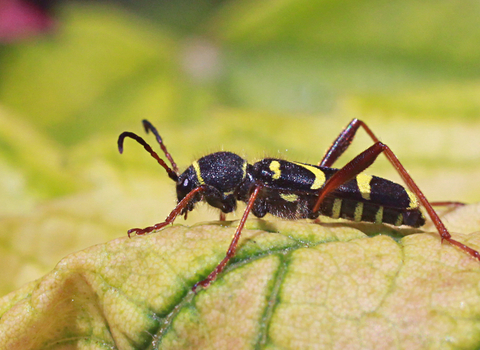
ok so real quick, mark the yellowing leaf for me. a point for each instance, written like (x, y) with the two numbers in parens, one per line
(292, 285)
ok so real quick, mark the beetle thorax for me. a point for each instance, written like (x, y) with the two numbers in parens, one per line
(225, 171)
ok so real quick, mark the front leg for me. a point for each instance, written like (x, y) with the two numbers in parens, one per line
(233, 245)
(170, 218)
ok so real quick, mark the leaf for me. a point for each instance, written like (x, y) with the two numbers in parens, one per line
(291, 285)
(408, 69)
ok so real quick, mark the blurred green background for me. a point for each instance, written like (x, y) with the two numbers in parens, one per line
(271, 78)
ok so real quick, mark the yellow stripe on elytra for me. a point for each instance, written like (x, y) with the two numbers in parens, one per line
(413, 200)
(275, 167)
(289, 197)
(399, 220)
(196, 167)
(379, 216)
(357, 216)
(363, 182)
(337, 207)
(244, 169)
(319, 175)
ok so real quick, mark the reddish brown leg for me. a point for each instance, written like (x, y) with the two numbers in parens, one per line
(223, 217)
(233, 245)
(170, 218)
(447, 204)
(349, 172)
(363, 161)
(342, 142)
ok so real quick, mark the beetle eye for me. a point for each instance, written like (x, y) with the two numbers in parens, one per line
(185, 183)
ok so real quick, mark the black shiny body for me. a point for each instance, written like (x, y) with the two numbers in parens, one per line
(290, 190)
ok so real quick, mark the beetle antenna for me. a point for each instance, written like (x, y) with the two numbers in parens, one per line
(171, 173)
(149, 127)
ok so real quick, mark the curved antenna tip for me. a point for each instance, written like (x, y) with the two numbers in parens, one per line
(147, 125)
(171, 173)
(121, 138)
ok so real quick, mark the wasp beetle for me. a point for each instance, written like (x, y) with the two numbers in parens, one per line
(294, 190)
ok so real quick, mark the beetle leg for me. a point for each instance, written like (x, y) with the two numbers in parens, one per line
(233, 244)
(447, 204)
(341, 143)
(363, 161)
(171, 217)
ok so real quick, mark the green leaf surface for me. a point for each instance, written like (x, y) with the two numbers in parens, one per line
(291, 285)
(271, 78)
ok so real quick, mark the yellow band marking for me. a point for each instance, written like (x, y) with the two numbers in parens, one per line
(357, 216)
(319, 176)
(244, 169)
(289, 197)
(413, 200)
(337, 207)
(399, 220)
(363, 182)
(275, 167)
(196, 166)
(379, 216)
